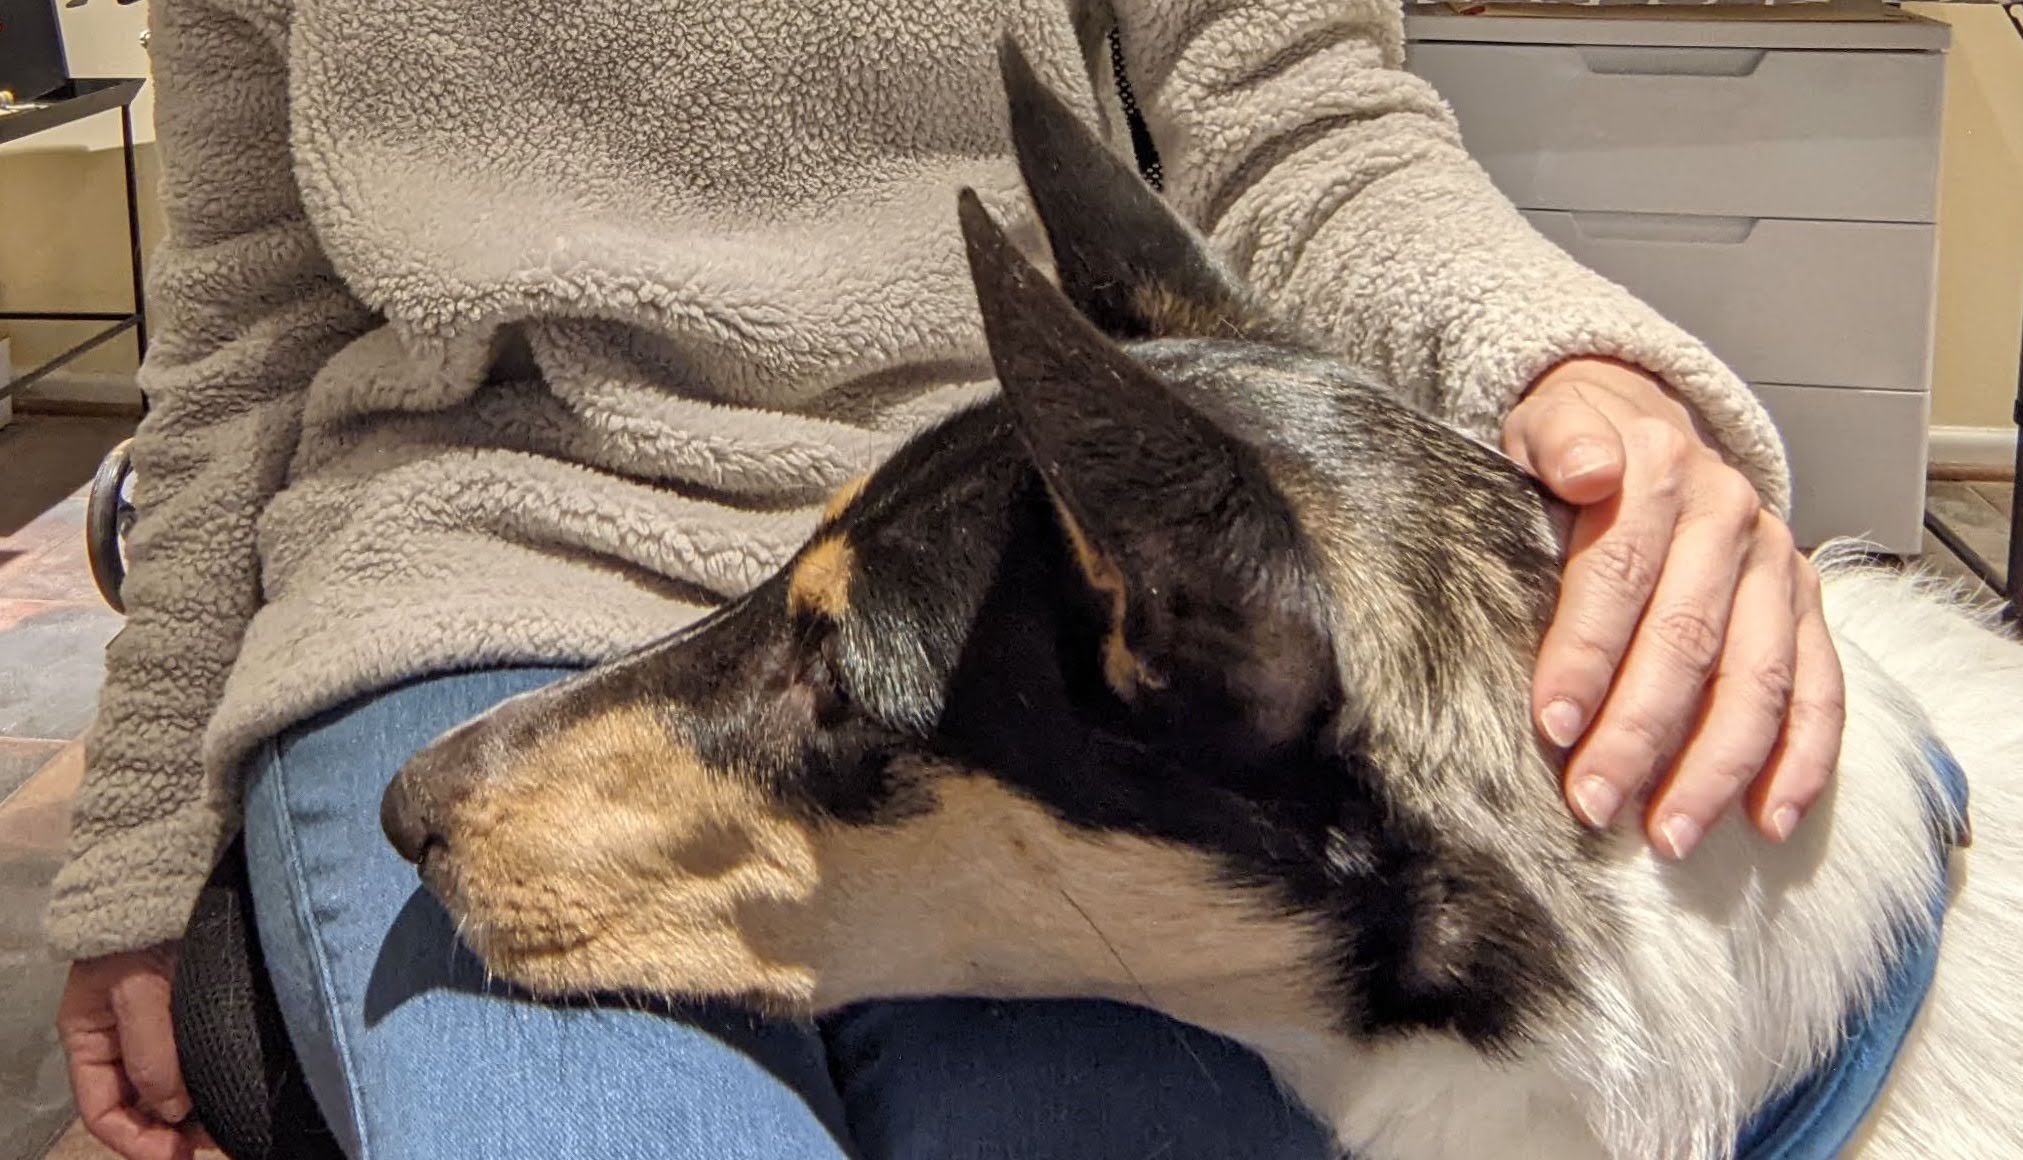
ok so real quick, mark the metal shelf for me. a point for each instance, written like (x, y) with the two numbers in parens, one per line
(76, 100)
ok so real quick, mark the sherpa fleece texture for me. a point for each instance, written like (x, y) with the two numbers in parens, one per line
(512, 333)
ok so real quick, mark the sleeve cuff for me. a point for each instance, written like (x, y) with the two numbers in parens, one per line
(132, 890)
(1614, 325)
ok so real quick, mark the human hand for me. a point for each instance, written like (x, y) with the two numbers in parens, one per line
(1689, 636)
(114, 1024)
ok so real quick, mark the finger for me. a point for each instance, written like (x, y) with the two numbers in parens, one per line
(126, 1128)
(1745, 708)
(147, 1043)
(1617, 553)
(1808, 752)
(1569, 443)
(96, 1081)
(1659, 688)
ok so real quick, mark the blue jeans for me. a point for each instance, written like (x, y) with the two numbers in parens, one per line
(412, 1053)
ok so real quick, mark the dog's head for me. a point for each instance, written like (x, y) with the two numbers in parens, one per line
(1190, 671)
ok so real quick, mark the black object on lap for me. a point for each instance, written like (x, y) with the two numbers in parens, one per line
(244, 1080)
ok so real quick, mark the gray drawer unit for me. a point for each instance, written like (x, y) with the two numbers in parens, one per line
(1771, 186)
(1780, 300)
(1748, 132)
(1850, 452)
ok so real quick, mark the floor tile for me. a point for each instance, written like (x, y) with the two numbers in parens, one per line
(1971, 517)
(2002, 496)
(45, 458)
(45, 559)
(52, 657)
(19, 759)
(58, 571)
(37, 816)
(60, 521)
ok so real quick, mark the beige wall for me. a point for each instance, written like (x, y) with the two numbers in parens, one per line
(63, 239)
(1980, 322)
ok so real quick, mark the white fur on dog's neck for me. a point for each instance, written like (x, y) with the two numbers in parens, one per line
(1733, 980)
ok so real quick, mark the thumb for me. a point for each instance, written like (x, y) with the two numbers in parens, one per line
(1568, 443)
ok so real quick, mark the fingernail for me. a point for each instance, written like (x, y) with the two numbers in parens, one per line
(1597, 800)
(175, 1111)
(1582, 460)
(1562, 721)
(1783, 821)
(1681, 834)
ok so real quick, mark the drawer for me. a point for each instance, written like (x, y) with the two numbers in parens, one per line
(1780, 301)
(1857, 462)
(1746, 132)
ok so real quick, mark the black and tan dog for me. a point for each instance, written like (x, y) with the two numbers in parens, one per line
(1193, 671)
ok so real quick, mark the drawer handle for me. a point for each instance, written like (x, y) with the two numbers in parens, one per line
(1673, 62)
(1664, 227)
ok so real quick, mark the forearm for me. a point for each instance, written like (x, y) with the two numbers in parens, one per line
(248, 311)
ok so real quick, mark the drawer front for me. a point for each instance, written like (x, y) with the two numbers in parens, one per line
(1780, 301)
(1724, 131)
(1857, 462)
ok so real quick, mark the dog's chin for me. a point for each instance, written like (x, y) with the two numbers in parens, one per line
(575, 976)
(601, 956)
(546, 972)
(552, 963)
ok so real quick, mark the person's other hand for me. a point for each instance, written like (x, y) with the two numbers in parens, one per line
(114, 1024)
(1689, 638)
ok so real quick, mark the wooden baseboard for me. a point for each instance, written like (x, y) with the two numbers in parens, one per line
(70, 392)
(90, 408)
(1972, 452)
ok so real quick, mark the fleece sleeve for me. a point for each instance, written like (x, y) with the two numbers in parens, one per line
(248, 310)
(1337, 183)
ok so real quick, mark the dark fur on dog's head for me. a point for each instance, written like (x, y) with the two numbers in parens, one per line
(1190, 671)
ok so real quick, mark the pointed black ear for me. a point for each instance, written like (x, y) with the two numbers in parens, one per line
(1171, 520)
(1125, 259)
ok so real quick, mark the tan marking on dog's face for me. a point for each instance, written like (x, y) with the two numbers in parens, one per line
(1124, 671)
(842, 499)
(821, 578)
(608, 856)
(612, 860)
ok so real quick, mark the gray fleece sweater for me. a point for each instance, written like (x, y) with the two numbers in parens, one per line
(521, 332)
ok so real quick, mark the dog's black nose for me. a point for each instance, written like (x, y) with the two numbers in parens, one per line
(404, 816)
(415, 810)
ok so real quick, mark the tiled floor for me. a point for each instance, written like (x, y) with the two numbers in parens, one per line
(52, 632)
(1978, 513)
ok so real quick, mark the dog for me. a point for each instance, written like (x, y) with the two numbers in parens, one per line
(1192, 670)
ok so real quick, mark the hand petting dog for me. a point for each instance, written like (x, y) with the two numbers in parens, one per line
(1689, 641)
